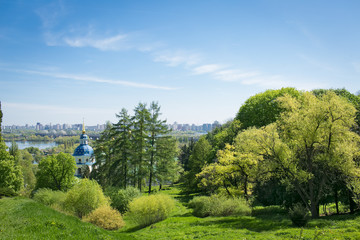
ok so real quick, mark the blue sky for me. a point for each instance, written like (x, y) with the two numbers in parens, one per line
(62, 61)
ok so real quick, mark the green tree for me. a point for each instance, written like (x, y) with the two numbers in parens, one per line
(85, 197)
(140, 143)
(122, 148)
(28, 169)
(167, 167)
(14, 150)
(11, 178)
(201, 155)
(185, 153)
(311, 141)
(263, 109)
(56, 172)
(158, 142)
(104, 154)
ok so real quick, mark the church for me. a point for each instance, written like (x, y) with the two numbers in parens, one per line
(84, 155)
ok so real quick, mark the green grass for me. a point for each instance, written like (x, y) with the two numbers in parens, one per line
(22, 218)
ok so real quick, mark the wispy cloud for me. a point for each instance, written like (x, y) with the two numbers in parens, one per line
(231, 75)
(92, 79)
(208, 68)
(110, 43)
(176, 58)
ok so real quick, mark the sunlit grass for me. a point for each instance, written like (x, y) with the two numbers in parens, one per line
(22, 218)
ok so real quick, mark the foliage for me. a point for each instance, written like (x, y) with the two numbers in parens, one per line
(105, 217)
(25, 161)
(84, 197)
(201, 155)
(185, 153)
(11, 179)
(310, 144)
(49, 197)
(299, 215)
(56, 172)
(120, 198)
(136, 150)
(150, 209)
(217, 205)
(263, 108)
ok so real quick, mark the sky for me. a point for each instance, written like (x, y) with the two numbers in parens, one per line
(65, 60)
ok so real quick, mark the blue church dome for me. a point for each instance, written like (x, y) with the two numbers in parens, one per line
(83, 150)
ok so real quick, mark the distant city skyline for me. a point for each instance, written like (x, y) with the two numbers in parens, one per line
(205, 127)
(62, 60)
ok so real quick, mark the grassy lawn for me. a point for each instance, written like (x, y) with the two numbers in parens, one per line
(22, 218)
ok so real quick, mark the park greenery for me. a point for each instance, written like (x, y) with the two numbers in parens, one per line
(287, 161)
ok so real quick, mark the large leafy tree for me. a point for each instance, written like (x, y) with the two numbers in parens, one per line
(311, 141)
(201, 155)
(11, 178)
(56, 172)
(263, 109)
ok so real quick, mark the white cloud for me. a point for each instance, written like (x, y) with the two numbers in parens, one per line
(209, 68)
(110, 43)
(176, 58)
(231, 75)
(94, 79)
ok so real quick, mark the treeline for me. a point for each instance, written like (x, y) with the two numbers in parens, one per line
(284, 147)
(136, 151)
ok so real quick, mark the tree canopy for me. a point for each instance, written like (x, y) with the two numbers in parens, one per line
(56, 172)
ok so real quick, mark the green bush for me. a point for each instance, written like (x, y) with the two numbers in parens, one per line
(49, 197)
(120, 198)
(105, 217)
(85, 197)
(216, 205)
(147, 210)
(299, 215)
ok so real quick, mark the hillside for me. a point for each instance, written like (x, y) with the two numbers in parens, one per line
(22, 218)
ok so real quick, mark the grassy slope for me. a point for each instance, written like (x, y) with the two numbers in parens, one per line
(22, 218)
(25, 219)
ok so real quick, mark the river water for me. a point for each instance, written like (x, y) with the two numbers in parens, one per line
(37, 144)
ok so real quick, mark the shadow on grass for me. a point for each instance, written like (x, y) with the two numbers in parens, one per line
(272, 223)
(134, 229)
(249, 223)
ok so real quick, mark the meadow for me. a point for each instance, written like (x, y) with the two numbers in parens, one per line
(23, 218)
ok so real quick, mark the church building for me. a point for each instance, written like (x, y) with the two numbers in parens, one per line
(84, 155)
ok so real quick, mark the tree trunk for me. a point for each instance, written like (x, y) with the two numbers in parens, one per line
(314, 210)
(336, 201)
(352, 204)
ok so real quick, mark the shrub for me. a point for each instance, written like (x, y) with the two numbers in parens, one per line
(299, 215)
(120, 198)
(216, 205)
(147, 210)
(105, 217)
(85, 197)
(49, 197)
